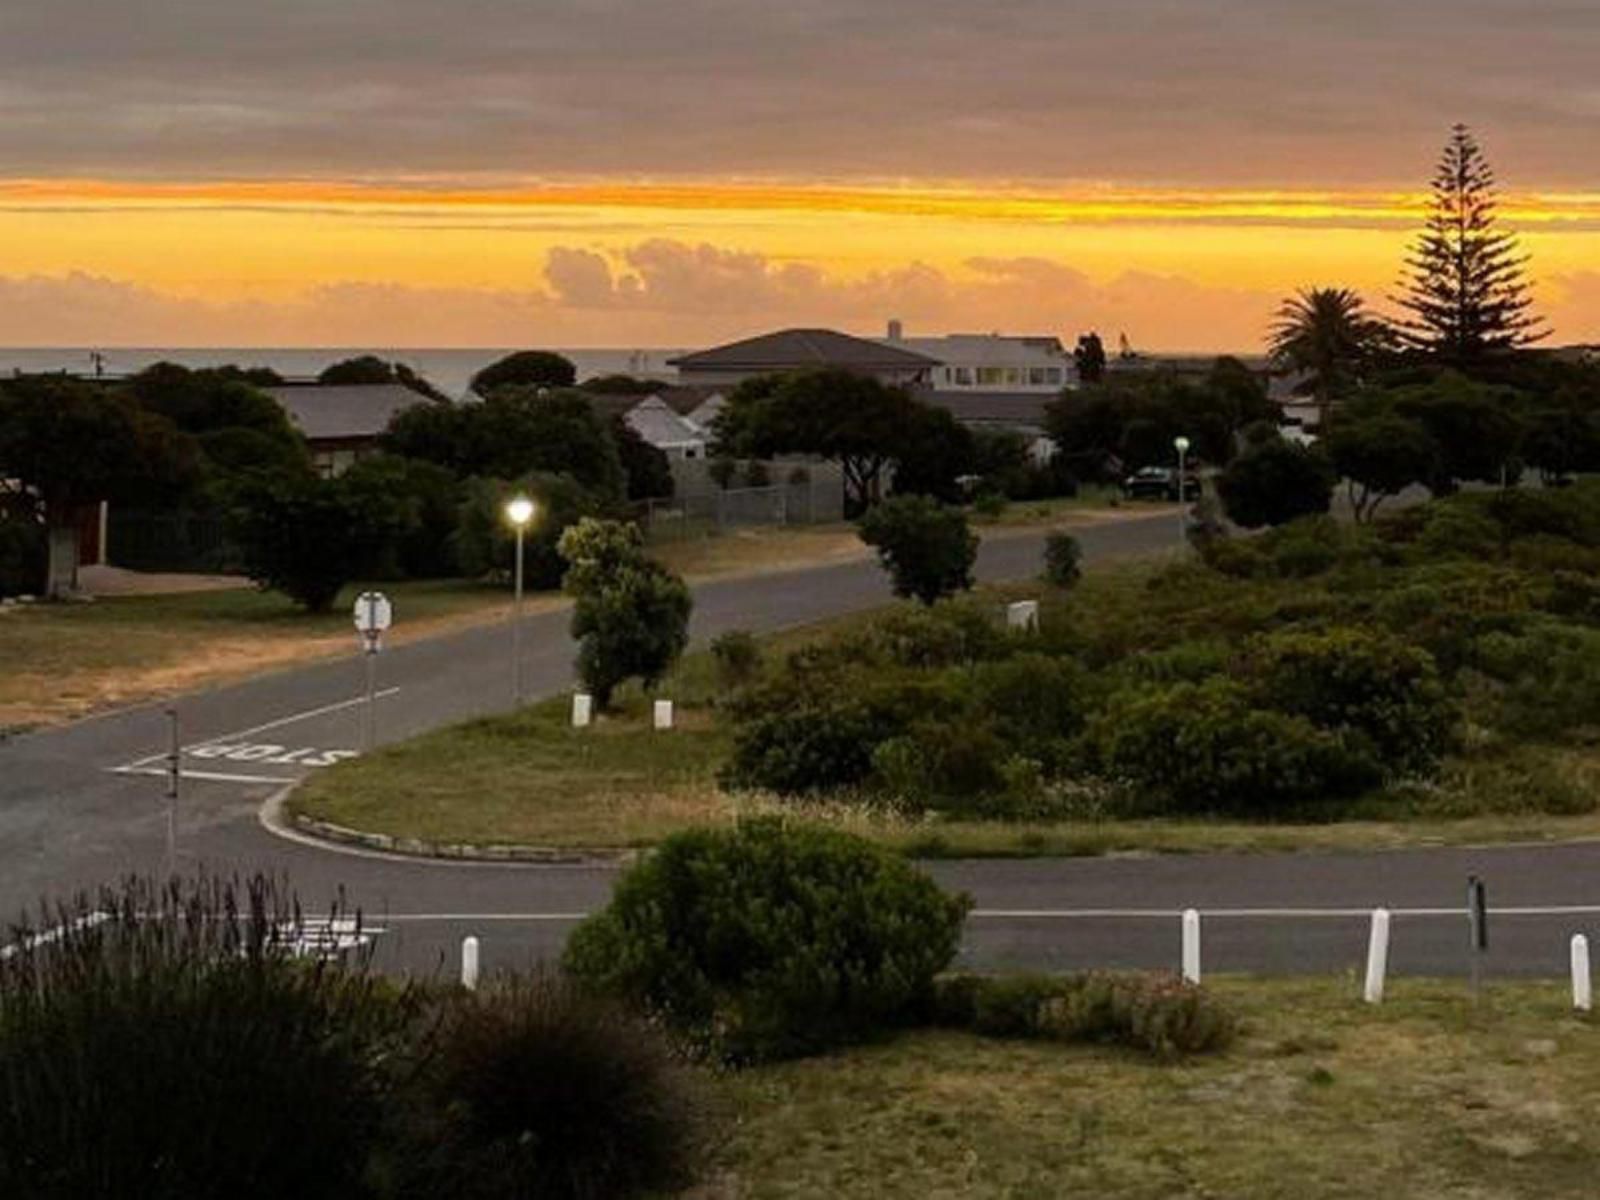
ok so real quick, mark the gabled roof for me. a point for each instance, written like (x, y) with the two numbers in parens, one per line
(797, 349)
(1012, 409)
(657, 424)
(347, 412)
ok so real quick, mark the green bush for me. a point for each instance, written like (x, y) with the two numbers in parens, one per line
(1205, 748)
(944, 635)
(1037, 702)
(1275, 482)
(1062, 556)
(1304, 548)
(1548, 677)
(990, 506)
(1238, 558)
(23, 553)
(1374, 685)
(815, 746)
(165, 1042)
(938, 761)
(925, 546)
(531, 1089)
(771, 939)
(1458, 531)
(1159, 1014)
(738, 658)
(486, 542)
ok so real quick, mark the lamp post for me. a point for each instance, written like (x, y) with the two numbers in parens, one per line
(519, 512)
(1181, 444)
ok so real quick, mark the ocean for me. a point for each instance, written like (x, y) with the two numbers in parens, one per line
(449, 370)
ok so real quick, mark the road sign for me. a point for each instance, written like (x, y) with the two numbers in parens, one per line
(373, 614)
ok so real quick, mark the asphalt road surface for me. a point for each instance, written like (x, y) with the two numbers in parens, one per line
(84, 804)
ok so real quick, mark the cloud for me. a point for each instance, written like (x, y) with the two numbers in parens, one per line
(1279, 91)
(656, 292)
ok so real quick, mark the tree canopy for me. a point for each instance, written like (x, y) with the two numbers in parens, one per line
(526, 368)
(1274, 482)
(925, 546)
(370, 369)
(1327, 334)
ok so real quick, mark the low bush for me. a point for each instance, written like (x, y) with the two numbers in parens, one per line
(167, 1042)
(944, 635)
(1548, 677)
(737, 655)
(1062, 558)
(926, 547)
(771, 939)
(1205, 748)
(531, 1089)
(806, 748)
(1161, 1015)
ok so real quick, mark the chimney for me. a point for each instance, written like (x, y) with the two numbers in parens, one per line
(897, 331)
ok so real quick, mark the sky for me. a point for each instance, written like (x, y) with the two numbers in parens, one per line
(681, 172)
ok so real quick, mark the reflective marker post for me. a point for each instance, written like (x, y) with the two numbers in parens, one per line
(1478, 929)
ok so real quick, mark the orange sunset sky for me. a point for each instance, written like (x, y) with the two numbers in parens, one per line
(622, 173)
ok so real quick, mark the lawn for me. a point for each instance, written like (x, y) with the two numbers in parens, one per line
(1426, 1096)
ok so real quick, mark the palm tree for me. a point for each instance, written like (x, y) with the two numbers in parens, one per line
(1328, 334)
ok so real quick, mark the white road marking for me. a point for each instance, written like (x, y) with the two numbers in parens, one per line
(1073, 914)
(87, 921)
(205, 776)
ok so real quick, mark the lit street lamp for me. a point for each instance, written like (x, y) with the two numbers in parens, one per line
(1181, 444)
(519, 512)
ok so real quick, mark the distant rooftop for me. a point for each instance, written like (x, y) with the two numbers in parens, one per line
(344, 413)
(794, 349)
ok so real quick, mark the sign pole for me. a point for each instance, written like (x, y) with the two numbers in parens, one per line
(174, 774)
(373, 614)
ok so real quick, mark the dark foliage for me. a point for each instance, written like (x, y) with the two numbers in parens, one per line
(526, 368)
(925, 546)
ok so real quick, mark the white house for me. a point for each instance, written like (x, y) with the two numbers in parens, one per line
(990, 362)
(677, 436)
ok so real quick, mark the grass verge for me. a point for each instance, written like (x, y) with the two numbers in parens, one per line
(1425, 1096)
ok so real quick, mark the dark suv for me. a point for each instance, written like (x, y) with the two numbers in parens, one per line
(1160, 483)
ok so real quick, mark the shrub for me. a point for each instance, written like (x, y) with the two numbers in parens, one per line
(944, 635)
(531, 1089)
(485, 542)
(1038, 702)
(1353, 681)
(1159, 1014)
(1204, 747)
(816, 747)
(738, 658)
(1238, 558)
(940, 760)
(174, 1047)
(1062, 555)
(1306, 547)
(989, 506)
(23, 554)
(1275, 482)
(630, 615)
(925, 546)
(1458, 531)
(1549, 676)
(428, 499)
(771, 939)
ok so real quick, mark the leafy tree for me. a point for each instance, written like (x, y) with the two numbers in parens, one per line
(1464, 286)
(1474, 425)
(1380, 456)
(436, 433)
(70, 444)
(1090, 358)
(427, 499)
(485, 543)
(621, 385)
(526, 368)
(1559, 441)
(307, 537)
(1328, 334)
(647, 468)
(630, 614)
(370, 369)
(936, 451)
(854, 420)
(1275, 482)
(925, 546)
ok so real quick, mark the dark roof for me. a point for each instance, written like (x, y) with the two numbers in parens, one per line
(1014, 409)
(681, 400)
(793, 349)
(347, 412)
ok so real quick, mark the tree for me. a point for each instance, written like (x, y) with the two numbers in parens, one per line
(526, 368)
(1090, 358)
(485, 543)
(854, 420)
(1275, 482)
(1464, 286)
(427, 499)
(307, 537)
(621, 385)
(1327, 334)
(70, 445)
(647, 467)
(630, 614)
(935, 452)
(1474, 425)
(369, 369)
(1380, 456)
(925, 546)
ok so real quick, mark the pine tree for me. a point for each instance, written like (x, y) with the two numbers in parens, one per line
(1464, 286)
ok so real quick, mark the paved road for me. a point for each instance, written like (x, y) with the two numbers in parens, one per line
(83, 804)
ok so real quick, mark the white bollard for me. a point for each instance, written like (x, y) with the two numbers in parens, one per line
(663, 714)
(469, 963)
(1191, 945)
(582, 710)
(1582, 981)
(1377, 955)
(1024, 614)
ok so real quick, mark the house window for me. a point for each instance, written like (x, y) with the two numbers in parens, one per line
(1013, 376)
(964, 376)
(990, 376)
(1036, 376)
(1052, 375)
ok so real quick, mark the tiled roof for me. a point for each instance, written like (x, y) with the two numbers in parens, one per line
(999, 408)
(657, 424)
(795, 349)
(344, 413)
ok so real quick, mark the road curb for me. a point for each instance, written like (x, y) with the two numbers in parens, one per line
(276, 818)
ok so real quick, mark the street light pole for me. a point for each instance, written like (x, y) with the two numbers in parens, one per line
(519, 511)
(1182, 446)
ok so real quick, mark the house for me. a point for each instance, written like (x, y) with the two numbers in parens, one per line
(654, 420)
(343, 423)
(1015, 412)
(801, 350)
(973, 362)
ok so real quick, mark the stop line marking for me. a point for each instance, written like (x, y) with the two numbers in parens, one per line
(231, 746)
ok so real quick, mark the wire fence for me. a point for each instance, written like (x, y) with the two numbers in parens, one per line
(179, 542)
(701, 514)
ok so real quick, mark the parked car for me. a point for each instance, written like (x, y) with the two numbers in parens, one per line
(1160, 483)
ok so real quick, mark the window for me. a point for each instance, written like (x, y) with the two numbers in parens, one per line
(1036, 376)
(1013, 376)
(1052, 374)
(990, 376)
(964, 376)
